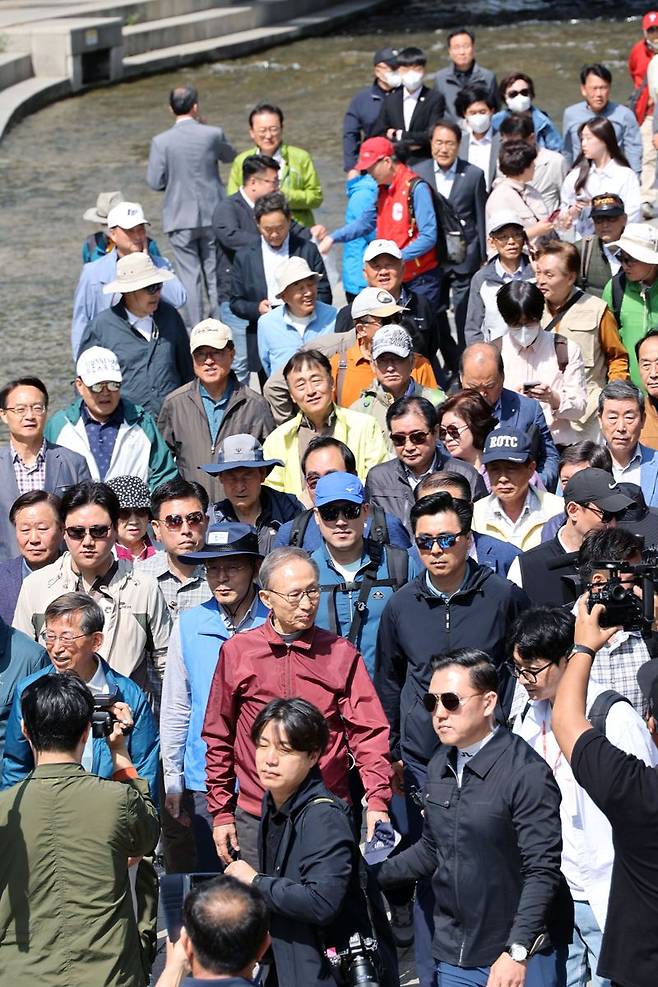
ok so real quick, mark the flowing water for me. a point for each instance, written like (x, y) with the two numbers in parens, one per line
(53, 164)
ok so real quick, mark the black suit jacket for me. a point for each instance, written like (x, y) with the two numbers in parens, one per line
(430, 106)
(468, 196)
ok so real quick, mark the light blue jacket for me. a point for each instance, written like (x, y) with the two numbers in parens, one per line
(622, 119)
(648, 475)
(546, 132)
(142, 742)
(361, 195)
(278, 339)
(89, 299)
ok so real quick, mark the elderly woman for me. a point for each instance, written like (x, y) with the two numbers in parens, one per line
(392, 362)
(465, 420)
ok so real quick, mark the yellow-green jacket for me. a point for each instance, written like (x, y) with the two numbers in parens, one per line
(298, 180)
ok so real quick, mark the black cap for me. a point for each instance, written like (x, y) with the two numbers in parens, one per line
(227, 538)
(606, 204)
(647, 679)
(388, 55)
(594, 486)
(639, 519)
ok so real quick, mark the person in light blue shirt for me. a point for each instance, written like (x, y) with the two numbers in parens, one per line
(595, 83)
(361, 191)
(298, 320)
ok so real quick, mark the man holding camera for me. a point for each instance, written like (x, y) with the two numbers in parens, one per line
(66, 909)
(626, 791)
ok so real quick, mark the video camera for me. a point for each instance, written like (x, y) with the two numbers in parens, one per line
(623, 608)
(102, 720)
(357, 964)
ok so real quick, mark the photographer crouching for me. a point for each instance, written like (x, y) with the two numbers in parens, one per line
(626, 791)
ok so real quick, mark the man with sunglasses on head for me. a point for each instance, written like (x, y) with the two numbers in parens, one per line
(454, 602)
(289, 655)
(490, 839)
(116, 437)
(541, 642)
(137, 624)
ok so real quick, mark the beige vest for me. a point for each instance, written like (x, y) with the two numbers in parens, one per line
(581, 325)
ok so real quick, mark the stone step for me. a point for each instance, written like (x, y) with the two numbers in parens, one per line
(14, 68)
(188, 28)
(130, 11)
(28, 97)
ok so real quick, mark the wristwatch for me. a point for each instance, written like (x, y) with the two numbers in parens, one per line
(518, 952)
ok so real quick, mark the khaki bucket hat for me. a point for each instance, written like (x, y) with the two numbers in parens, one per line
(135, 271)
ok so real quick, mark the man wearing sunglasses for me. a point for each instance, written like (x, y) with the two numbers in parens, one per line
(592, 502)
(116, 437)
(490, 841)
(137, 624)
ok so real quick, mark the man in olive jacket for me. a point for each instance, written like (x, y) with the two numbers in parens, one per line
(66, 909)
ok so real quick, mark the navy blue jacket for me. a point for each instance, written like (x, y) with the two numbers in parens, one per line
(359, 121)
(495, 553)
(525, 415)
(12, 574)
(398, 536)
(416, 625)
(277, 508)
(20, 656)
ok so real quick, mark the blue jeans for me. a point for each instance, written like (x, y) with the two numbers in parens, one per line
(547, 969)
(585, 948)
(238, 327)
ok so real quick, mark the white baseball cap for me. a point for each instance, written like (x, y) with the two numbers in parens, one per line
(98, 365)
(378, 247)
(375, 301)
(127, 215)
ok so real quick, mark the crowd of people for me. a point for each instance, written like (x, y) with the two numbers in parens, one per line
(305, 596)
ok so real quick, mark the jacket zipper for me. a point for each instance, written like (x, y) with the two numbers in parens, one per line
(456, 882)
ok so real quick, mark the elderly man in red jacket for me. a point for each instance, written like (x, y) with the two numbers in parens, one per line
(289, 656)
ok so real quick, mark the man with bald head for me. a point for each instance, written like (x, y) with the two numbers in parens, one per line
(481, 368)
(183, 163)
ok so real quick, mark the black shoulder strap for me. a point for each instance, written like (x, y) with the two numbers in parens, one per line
(577, 295)
(618, 288)
(602, 706)
(585, 258)
(561, 351)
(298, 530)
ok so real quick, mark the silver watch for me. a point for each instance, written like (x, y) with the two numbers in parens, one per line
(518, 952)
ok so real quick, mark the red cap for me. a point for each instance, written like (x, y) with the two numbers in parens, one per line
(372, 151)
(650, 19)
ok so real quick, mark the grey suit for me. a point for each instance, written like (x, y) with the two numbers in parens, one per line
(63, 470)
(183, 162)
(468, 197)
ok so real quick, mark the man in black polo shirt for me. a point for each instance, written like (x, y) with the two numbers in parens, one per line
(626, 791)
(592, 502)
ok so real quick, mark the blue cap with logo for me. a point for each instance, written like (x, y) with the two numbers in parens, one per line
(339, 486)
(507, 445)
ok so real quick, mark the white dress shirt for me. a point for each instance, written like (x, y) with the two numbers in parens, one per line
(272, 261)
(479, 152)
(409, 102)
(444, 178)
(630, 473)
(613, 177)
(613, 260)
(144, 325)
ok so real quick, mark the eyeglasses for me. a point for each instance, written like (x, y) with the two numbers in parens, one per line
(511, 93)
(21, 410)
(527, 673)
(295, 596)
(451, 432)
(416, 438)
(153, 289)
(76, 532)
(605, 516)
(264, 131)
(626, 258)
(105, 385)
(444, 144)
(65, 638)
(331, 512)
(174, 521)
(506, 237)
(447, 540)
(449, 700)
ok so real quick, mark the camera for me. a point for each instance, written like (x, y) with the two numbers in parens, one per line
(102, 720)
(174, 889)
(622, 607)
(357, 964)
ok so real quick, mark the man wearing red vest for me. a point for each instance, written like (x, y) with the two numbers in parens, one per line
(412, 229)
(638, 62)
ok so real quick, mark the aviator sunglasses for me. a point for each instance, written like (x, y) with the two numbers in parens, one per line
(449, 700)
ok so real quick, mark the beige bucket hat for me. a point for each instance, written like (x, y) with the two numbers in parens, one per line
(135, 271)
(640, 241)
(104, 202)
(292, 270)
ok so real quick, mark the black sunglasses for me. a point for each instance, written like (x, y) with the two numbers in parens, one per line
(153, 289)
(331, 512)
(77, 532)
(449, 700)
(416, 438)
(447, 540)
(516, 92)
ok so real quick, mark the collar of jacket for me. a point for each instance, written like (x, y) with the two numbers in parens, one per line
(277, 644)
(310, 788)
(441, 458)
(56, 770)
(482, 762)
(131, 413)
(476, 575)
(237, 394)
(490, 273)
(62, 571)
(377, 393)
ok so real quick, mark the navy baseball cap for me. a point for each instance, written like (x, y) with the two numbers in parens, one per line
(507, 445)
(388, 55)
(227, 538)
(339, 486)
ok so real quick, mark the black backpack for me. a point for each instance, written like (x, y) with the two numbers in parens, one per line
(450, 239)
(618, 288)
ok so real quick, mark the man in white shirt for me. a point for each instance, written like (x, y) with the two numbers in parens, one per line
(542, 641)
(621, 418)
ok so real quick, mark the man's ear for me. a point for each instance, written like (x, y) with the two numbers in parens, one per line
(264, 946)
(186, 943)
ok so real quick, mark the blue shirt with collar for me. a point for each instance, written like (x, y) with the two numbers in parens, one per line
(102, 436)
(215, 410)
(278, 339)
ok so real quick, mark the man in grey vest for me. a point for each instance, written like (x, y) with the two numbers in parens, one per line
(183, 163)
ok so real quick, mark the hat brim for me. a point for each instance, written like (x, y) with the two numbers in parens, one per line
(506, 458)
(109, 378)
(311, 274)
(363, 164)
(93, 217)
(122, 288)
(613, 213)
(635, 250)
(142, 222)
(215, 552)
(396, 350)
(612, 502)
(215, 468)
(350, 498)
(381, 310)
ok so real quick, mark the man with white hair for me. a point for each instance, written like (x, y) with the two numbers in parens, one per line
(116, 437)
(126, 228)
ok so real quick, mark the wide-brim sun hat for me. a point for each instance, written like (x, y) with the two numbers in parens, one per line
(640, 241)
(240, 451)
(105, 201)
(290, 272)
(135, 271)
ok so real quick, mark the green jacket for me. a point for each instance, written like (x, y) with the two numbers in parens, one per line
(298, 180)
(66, 909)
(639, 313)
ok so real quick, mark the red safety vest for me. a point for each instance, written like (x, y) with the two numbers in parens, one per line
(395, 223)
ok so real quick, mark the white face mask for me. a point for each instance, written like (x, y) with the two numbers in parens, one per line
(518, 103)
(525, 335)
(479, 123)
(393, 79)
(412, 81)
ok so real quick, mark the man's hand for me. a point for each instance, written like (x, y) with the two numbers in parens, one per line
(506, 972)
(326, 243)
(374, 816)
(177, 966)
(241, 871)
(319, 232)
(588, 630)
(225, 836)
(173, 805)
(264, 306)
(122, 726)
(397, 778)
